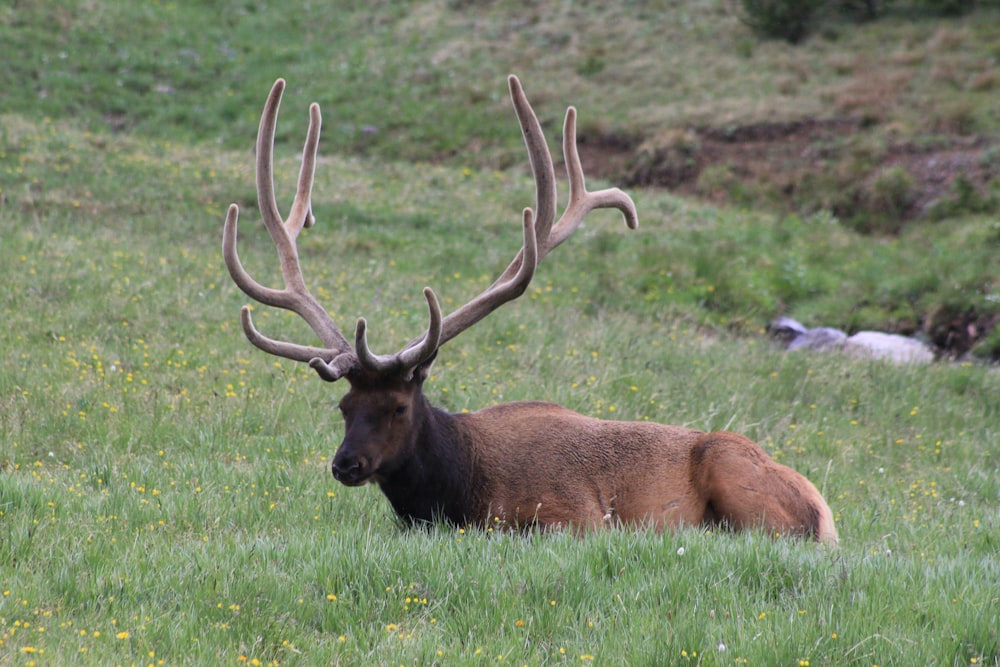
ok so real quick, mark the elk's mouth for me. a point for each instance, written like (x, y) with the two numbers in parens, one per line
(351, 479)
(352, 471)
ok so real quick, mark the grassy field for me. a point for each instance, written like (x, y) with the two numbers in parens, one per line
(165, 495)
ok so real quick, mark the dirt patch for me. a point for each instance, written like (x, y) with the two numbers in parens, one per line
(956, 333)
(803, 166)
(936, 169)
(774, 150)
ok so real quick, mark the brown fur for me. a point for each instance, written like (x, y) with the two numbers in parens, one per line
(539, 464)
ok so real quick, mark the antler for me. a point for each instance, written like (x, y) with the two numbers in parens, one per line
(336, 360)
(547, 236)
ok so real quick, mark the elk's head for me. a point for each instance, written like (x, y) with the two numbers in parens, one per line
(383, 416)
(385, 408)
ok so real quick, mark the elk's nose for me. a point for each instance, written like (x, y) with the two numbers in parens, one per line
(348, 470)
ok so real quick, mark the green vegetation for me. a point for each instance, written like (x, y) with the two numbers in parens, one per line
(165, 495)
(793, 20)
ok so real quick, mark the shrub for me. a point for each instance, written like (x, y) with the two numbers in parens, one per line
(790, 20)
(667, 159)
(891, 192)
(988, 347)
(865, 10)
(948, 7)
(720, 183)
(963, 198)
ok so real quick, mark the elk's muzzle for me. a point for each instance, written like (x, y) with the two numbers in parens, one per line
(350, 470)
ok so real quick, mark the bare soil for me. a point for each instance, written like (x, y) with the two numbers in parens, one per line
(779, 157)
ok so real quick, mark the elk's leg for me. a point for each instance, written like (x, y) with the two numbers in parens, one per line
(743, 488)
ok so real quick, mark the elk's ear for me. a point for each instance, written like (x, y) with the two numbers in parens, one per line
(421, 372)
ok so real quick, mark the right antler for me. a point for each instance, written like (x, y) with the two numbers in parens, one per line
(337, 359)
(514, 280)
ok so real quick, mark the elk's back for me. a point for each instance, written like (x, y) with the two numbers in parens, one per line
(542, 464)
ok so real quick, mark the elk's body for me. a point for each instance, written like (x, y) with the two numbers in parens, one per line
(514, 464)
(534, 463)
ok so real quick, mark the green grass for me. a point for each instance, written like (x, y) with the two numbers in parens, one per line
(165, 495)
(193, 70)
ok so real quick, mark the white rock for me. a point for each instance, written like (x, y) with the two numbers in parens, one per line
(867, 344)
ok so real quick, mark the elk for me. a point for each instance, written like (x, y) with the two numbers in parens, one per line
(523, 464)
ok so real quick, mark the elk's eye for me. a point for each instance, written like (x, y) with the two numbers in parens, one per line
(399, 411)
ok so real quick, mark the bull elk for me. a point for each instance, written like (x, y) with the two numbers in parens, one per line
(516, 464)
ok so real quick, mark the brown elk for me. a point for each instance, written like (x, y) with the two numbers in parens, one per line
(515, 464)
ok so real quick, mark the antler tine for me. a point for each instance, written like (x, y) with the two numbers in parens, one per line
(582, 202)
(411, 356)
(337, 358)
(540, 160)
(300, 214)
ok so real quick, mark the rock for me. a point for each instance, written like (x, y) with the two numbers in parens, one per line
(891, 347)
(866, 344)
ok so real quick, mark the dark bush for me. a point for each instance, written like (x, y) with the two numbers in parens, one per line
(948, 7)
(865, 10)
(790, 20)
